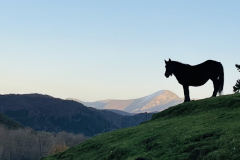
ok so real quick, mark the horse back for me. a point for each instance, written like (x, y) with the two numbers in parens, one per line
(207, 66)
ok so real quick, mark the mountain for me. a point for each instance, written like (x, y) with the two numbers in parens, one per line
(152, 103)
(43, 112)
(203, 129)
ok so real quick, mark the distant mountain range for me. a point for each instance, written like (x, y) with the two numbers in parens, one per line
(152, 103)
(46, 113)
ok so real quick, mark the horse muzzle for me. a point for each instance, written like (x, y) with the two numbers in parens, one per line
(167, 75)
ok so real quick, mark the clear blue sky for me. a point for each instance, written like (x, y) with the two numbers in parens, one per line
(94, 50)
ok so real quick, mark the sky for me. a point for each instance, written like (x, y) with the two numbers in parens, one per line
(95, 50)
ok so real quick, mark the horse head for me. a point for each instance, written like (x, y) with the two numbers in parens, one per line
(169, 68)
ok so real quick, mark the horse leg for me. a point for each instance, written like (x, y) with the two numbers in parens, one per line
(216, 87)
(186, 93)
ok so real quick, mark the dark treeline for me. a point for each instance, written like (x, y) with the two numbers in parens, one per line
(236, 88)
(27, 144)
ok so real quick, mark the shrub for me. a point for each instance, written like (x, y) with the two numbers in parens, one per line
(236, 88)
(56, 148)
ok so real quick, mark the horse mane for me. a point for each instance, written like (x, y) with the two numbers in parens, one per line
(180, 65)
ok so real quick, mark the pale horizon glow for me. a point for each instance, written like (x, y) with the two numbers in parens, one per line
(97, 50)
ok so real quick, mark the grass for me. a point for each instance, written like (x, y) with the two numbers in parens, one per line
(204, 129)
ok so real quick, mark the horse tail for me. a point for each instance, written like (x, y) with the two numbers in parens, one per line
(221, 79)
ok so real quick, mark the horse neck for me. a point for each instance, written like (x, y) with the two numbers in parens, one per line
(178, 68)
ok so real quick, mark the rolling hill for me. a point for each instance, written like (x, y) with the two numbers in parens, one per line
(9, 123)
(203, 129)
(46, 113)
(152, 103)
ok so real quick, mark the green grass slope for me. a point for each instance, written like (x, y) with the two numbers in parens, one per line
(205, 129)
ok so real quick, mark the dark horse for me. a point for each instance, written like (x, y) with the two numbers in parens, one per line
(196, 75)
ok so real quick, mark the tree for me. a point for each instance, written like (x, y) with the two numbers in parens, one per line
(236, 88)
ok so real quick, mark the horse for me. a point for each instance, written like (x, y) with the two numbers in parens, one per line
(197, 75)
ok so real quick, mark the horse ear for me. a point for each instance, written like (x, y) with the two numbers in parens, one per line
(170, 60)
(165, 61)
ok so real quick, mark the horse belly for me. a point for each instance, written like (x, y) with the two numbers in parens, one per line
(197, 81)
(195, 84)
(193, 80)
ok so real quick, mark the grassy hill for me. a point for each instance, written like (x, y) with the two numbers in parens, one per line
(203, 129)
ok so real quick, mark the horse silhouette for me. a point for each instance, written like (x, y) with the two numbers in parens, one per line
(197, 75)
